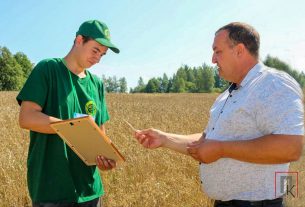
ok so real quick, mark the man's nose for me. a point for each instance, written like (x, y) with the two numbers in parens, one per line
(97, 58)
(214, 59)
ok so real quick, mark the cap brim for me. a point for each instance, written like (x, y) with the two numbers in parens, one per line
(108, 44)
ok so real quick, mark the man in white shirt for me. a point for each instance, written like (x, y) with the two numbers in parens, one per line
(255, 129)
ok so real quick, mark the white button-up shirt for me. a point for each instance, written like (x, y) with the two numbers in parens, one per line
(266, 102)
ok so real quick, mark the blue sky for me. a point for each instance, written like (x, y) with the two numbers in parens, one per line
(154, 36)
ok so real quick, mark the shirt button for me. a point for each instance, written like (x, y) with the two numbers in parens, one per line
(221, 112)
(213, 128)
(230, 95)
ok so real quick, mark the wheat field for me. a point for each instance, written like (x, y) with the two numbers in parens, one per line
(149, 177)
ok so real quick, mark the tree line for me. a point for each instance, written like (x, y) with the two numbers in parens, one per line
(114, 84)
(204, 79)
(15, 68)
(186, 80)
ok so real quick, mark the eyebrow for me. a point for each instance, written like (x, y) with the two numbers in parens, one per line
(99, 50)
(96, 49)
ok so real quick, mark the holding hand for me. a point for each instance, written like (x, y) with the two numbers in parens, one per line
(205, 150)
(104, 163)
(150, 138)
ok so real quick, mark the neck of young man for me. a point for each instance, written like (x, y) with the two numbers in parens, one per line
(74, 67)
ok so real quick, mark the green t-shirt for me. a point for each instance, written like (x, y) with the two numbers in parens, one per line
(55, 172)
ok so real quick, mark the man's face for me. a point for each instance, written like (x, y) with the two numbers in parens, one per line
(224, 56)
(90, 53)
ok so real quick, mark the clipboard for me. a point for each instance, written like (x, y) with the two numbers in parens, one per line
(86, 139)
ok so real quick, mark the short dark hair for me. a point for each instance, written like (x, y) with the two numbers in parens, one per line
(85, 39)
(243, 33)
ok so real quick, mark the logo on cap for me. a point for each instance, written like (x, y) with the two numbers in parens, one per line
(107, 34)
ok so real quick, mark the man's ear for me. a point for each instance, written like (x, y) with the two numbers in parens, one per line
(78, 39)
(240, 49)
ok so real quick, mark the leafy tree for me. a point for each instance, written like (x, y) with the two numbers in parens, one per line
(24, 62)
(113, 85)
(301, 79)
(274, 62)
(122, 85)
(208, 78)
(153, 86)
(199, 79)
(141, 82)
(140, 88)
(11, 73)
(178, 84)
(104, 79)
(182, 72)
(190, 75)
(190, 87)
(170, 85)
(217, 79)
(164, 84)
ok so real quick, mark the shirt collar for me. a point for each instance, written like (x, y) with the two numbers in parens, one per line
(252, 73)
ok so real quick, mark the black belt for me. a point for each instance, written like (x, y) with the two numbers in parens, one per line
(278, 202)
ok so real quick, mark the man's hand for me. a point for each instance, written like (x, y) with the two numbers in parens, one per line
(205, 150)
(150, 138)
(104, 163)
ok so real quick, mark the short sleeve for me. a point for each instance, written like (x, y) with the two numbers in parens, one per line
(280, 109)
(35, 88)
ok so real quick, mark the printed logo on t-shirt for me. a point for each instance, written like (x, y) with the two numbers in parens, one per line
(91, 108)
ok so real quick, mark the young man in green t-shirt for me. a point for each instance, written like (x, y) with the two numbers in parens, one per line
(59, 89)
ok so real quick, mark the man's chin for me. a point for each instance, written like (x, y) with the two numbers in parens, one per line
(219, 72)
(89, 65)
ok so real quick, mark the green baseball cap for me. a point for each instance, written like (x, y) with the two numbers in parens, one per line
(99, 32)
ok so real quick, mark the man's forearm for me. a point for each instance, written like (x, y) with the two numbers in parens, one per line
(37, 121)
(178, 142)
(270, 149)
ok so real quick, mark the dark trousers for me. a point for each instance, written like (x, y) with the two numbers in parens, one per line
(92, 203)
(239, 203)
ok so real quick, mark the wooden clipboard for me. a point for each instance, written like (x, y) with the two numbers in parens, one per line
(86, 139)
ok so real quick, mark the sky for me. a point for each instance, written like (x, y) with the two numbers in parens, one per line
(154, 36)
